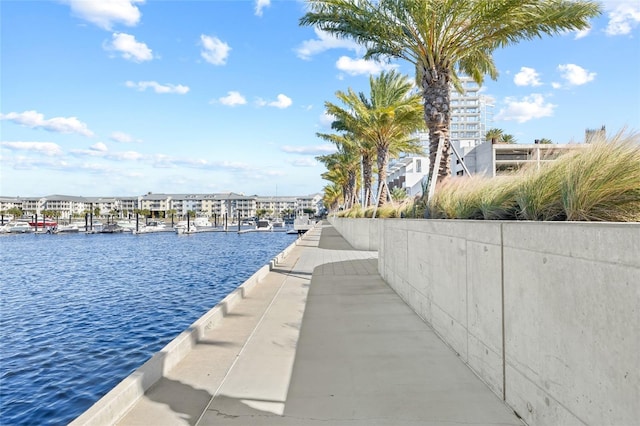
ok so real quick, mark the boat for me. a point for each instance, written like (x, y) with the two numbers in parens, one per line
(127, 225)
(62, 229)
(111, 228)
(43, 224)
(262, 225)
(153, 226)
(18, 228)
(278, 225)
(201, 222)
(185, 227)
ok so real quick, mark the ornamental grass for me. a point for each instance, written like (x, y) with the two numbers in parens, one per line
(600, 182)
(603, 182)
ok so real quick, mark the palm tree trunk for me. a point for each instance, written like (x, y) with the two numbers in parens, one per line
(353, 196)
(437, 98)
(383, 160)
(367, 172)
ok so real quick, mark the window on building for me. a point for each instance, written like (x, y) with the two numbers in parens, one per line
(418, 166)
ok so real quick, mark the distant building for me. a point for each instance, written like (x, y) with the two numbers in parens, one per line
(408, 173)
(499, 159)
(162, 205)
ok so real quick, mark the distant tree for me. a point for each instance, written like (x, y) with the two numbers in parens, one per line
(96, 211)
(494, 135)
(261, 213)
(15, 212)
(509, 139)
(545, 141)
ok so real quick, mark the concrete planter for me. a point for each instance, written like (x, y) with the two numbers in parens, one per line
(546, 313)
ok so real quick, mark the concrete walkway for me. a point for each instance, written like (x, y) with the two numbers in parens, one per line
(321, 340)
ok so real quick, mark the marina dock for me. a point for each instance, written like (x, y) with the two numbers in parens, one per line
(319, 339)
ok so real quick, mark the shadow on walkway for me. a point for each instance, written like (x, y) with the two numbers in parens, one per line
(330, 239)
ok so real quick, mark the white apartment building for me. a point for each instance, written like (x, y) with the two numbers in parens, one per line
(467, 124)
(68, 206)
(277, 205)
(408, 173)
(159, 205)
(312, 202)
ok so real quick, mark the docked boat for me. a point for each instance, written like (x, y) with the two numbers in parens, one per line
(202, 222)
(185, 227)
(18, 228)
(63, 229)
(278, 225)
(111, 228)
(262, 225)
(44, 224)
(153, 226)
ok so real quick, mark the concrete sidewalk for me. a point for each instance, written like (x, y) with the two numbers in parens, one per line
(321, 340)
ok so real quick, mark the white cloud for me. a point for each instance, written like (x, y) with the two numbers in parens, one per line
(528, 108)
(106, 13)
(261, 4)
(326, 41)
(35, 120)
(125, 156)
(283, 102)
(47, 148)
(215, 51)
(303, 162)
(100, 147)
(361, 66)
(582, 33)
(575, 75)
(157, 87)
(310, 150)
(527, 77)
(129, 48)
(623, 17)
(233, 99)
(123, 137)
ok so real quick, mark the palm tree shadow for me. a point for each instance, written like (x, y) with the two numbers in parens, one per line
(187, 402)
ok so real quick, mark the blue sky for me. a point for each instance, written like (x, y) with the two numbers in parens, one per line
(123, 97)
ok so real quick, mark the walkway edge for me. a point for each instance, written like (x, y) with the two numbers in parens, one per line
(118, 401)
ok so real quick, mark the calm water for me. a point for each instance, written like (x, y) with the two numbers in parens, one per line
(78, 313)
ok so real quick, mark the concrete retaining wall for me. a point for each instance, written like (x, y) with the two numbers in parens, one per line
(547, 314)
(121, 398)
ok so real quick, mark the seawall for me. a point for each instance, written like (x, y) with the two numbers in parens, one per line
(546, 314)
(123, 396)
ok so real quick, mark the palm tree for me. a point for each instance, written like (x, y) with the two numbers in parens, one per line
(494, 135)
(332, 196)
(442, 38)
(384, 121)
(343, 169)
(350, 125)
(507, 138)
